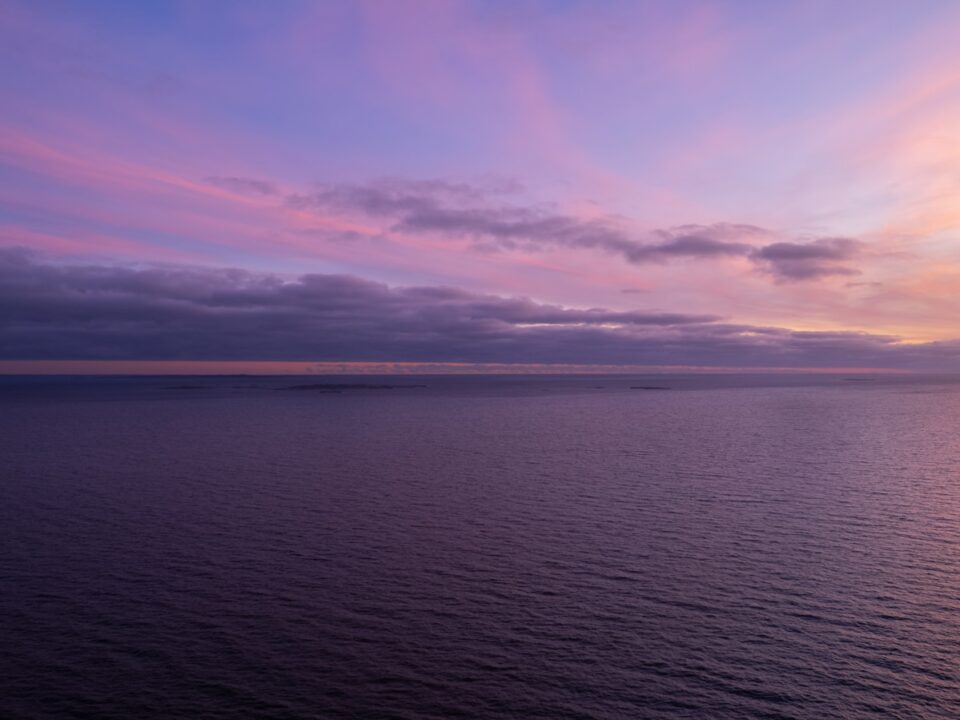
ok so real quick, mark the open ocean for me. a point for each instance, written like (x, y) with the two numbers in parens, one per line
(731, 546)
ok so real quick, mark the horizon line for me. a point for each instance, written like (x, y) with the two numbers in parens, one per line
(282, 367)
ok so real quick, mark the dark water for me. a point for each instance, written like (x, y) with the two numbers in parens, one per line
(735, 547)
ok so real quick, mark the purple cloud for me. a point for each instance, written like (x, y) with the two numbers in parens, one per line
(807, 261)
(58, 311)
(462, 211)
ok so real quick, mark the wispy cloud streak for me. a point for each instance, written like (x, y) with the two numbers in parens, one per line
(460, 211)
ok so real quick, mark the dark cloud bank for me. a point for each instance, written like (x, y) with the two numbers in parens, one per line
(56, 311)
(458, 210)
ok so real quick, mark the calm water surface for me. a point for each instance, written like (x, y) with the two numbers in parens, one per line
(734, 547)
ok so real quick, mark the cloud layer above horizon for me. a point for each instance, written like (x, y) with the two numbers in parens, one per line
(110, 312)
(741, 184)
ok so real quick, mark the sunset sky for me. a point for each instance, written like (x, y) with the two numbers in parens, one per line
(710, 184)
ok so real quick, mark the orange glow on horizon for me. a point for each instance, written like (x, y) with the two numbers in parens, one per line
(271, 367)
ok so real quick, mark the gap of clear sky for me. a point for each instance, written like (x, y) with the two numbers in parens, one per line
(719, 184)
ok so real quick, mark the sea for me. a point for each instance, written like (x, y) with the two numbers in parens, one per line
(782, 546)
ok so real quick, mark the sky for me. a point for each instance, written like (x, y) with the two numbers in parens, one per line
(670, 183)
